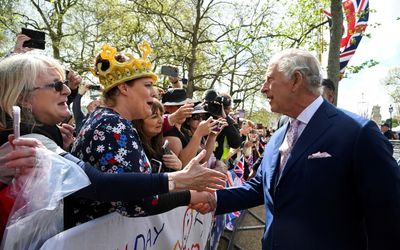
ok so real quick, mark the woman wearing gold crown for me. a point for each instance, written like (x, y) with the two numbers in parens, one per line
(37, 84)
(108, 139)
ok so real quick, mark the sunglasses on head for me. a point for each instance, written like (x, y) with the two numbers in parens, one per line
(58, 85)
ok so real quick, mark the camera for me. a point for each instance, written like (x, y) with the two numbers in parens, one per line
(214, 108)
(225, 101)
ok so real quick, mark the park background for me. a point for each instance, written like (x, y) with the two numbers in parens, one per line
(223, 45)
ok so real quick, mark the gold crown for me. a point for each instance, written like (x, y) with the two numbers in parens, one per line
(120, 72)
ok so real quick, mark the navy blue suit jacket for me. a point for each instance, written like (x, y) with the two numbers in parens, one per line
(350, 200)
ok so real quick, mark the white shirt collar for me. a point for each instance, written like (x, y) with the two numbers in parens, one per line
(306, 115)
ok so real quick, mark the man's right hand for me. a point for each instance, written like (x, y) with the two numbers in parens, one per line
(181, 114)
(19, 44)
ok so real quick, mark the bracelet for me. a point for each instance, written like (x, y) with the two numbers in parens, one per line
(171, 183)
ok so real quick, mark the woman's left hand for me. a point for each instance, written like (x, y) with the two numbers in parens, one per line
(67, 132)
(172, 161)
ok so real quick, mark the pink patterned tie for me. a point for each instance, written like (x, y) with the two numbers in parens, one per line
(288, 143)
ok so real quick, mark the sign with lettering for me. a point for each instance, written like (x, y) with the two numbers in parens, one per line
(178, 229)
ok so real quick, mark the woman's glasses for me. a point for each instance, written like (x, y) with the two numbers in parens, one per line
(58, 85)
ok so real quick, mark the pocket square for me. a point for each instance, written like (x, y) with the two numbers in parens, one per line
(319, 155)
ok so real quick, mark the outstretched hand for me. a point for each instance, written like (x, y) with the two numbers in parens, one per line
(196, 176)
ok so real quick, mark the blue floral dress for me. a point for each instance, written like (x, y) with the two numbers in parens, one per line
(111, 144)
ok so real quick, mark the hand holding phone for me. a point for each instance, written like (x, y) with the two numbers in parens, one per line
(166, 149)
(37, 38)
(16, 121)
(156, 165)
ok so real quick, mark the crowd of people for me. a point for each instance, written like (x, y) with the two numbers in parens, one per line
(326, 176)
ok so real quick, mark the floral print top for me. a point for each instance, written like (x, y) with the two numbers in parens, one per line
(111, 144)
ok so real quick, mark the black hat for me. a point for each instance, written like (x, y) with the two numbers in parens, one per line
(199, 109)
(385, 125)
(210, 95)
(175, 97)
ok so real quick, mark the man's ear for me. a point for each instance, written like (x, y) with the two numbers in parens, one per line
(298, 80)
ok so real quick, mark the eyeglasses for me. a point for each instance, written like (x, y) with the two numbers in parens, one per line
(58, 86)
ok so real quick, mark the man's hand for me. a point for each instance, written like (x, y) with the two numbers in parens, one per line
(176, 84)
(181, 114)
(19, 44)
(74, 79)
(203, 202)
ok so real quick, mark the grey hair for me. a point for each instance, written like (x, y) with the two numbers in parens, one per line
(291, 60)
(18, 74)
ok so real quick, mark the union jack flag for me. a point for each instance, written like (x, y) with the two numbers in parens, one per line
(235, 178)
(356, 14)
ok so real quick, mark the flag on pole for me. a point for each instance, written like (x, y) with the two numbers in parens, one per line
(356, 14)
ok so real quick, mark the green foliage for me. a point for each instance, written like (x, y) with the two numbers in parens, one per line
(357, 68)
(264, 117)
(392, 82)
(395, 122)
(216, 44)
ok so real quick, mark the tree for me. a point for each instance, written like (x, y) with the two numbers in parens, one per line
(392, 81)
(334, 44)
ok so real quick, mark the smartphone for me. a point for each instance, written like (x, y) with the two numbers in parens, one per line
(166, 149)
(16, 121)
(218, 127)
(94, 87)
(169, 71)
(37, 40)
(156, 165)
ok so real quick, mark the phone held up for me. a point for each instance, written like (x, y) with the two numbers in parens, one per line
(37, 40)
(169, 71)
(16, 111)
(166, 149)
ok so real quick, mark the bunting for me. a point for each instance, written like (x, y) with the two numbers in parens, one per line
(235, 178)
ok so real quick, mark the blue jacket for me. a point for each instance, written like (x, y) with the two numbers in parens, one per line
(350, 200)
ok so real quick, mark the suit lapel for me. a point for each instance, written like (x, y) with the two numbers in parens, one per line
(314, 129)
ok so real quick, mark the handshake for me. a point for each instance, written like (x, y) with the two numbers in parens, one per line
(203, 202)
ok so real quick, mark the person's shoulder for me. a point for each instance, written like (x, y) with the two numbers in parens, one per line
(104, 117)
(340, 115)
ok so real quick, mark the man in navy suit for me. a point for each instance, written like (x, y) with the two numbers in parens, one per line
(338, 189)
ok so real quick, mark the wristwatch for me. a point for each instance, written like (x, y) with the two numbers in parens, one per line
(171, 183)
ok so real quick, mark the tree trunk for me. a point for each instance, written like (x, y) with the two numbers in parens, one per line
(334, 44)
